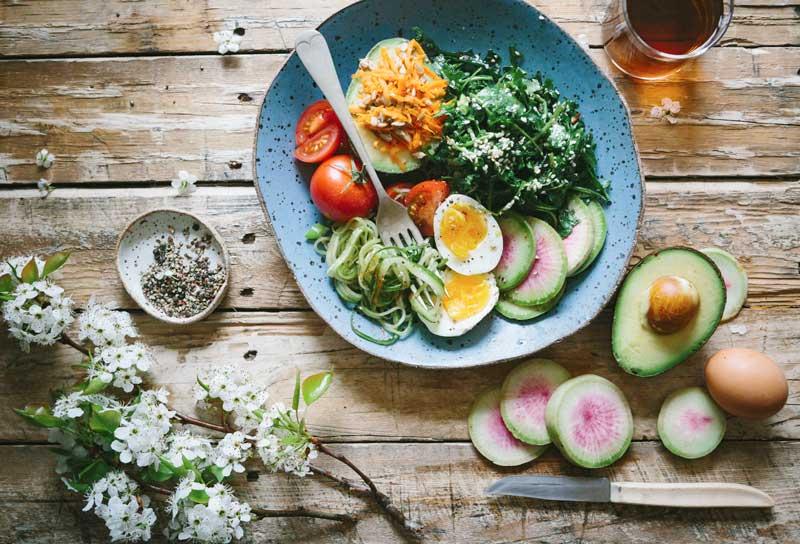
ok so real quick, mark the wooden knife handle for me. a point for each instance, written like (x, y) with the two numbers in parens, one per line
(690, 495)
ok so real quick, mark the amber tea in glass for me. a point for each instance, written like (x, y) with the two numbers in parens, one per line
(650, 39)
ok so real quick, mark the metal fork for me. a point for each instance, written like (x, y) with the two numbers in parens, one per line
(395, 227)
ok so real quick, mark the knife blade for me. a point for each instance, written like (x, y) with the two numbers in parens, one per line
(683, 495)
(554, 488)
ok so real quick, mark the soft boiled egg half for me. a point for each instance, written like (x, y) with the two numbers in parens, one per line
(466, 300)
(467, 235)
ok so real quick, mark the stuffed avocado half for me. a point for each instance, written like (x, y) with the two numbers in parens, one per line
(394, 98)
(668, 307)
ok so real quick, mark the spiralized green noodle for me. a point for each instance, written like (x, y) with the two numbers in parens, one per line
(385, 283)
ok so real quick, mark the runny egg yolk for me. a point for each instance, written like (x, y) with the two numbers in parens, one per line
(463, 228)
(465, 296)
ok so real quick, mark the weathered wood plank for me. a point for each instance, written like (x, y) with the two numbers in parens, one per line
(375, 400)
(737, 216)
(122, 27)
(143, 119)
(441, 486)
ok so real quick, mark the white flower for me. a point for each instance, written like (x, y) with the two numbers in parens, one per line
(672, 106)
(668, 109)
(113, 484)
(219, 521)
(184, 183)
(231, 452)
(104, 327)
(141, 434)
(197, 449)
(237, 393)
(38, 313)
(227, 41)
(280, 449)
(120, 366)
(657, 112)
(45, 187)
(44, 159)
(68, 406)
(126, 520)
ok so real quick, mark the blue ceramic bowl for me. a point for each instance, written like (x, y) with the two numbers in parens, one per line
(456, 25)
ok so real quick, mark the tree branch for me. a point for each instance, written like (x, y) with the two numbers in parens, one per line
(188, 420)
(383, 501)
(261, 513)
(65, 339)
(349, 484)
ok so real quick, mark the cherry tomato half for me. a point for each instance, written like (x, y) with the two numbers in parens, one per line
(398, 191)
(314, 117)
(341, 190)
(321, 145)
(422, 201)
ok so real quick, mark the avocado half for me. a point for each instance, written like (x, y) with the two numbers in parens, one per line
(381, 161)
(639, 349)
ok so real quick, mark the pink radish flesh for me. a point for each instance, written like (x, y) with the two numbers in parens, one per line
(545, 266)
(597, 426)
(690, 424)
(532, 400)
(575, 244)
(695, 421)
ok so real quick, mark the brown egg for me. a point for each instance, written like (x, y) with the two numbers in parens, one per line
(746, 383)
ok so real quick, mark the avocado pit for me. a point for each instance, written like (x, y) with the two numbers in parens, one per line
(673, 303)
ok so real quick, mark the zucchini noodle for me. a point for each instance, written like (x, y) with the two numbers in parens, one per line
(385, 283)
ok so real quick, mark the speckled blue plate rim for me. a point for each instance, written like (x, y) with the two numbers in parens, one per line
(387, 354)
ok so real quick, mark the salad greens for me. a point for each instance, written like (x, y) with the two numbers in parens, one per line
(510, 140)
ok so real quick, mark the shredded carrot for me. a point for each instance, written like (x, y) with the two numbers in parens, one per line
(399, 100)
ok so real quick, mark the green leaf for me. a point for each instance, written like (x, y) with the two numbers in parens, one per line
(217, 472)
(40, 416)
(296, 396)
(31, 272)
(94, 471)
(77, 486)
(162, 474)
(6, 283)
(201, 384)
(104, 421)
(54, 262)
(315, 386)
(316, 232)
(198, 496)
(95, 385)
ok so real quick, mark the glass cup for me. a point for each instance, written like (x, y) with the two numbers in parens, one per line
(632, 54)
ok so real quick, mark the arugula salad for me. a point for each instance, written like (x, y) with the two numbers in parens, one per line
(510, 200)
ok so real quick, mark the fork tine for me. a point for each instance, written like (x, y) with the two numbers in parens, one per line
(416, 235)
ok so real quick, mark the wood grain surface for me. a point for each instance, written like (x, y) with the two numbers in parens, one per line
(127, 92)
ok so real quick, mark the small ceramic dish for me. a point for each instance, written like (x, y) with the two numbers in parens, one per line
(135, 255)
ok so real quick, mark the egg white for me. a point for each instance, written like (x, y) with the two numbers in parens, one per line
(486, 255)
(447, 327)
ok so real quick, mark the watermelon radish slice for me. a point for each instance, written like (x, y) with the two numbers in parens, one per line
(509, 310)
(580, 241)
(490, 436)
(735, 279)
(549, 271)
(598, 218)
(589, 420)
(524, 397)
(690, 424)
(519, 251)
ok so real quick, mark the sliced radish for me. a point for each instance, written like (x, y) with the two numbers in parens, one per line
(690, 424)
(524, 397)
(578, 245)
(598, 218)
(509, 310)
(735, 279)
(519, 251)
(549, 271)
(589, 420)
(490, 436)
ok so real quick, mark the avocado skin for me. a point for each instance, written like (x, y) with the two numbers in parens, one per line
(619, 338)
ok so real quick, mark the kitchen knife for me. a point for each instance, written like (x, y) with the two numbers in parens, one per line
(685, 495)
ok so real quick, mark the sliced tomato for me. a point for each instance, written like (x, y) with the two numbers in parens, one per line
(398, 191)
(422, 201)
(313, 119)
(321, 145)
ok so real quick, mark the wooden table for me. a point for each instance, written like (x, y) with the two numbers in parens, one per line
(126, 93)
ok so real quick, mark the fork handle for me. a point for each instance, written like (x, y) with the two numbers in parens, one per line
(313, 51)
